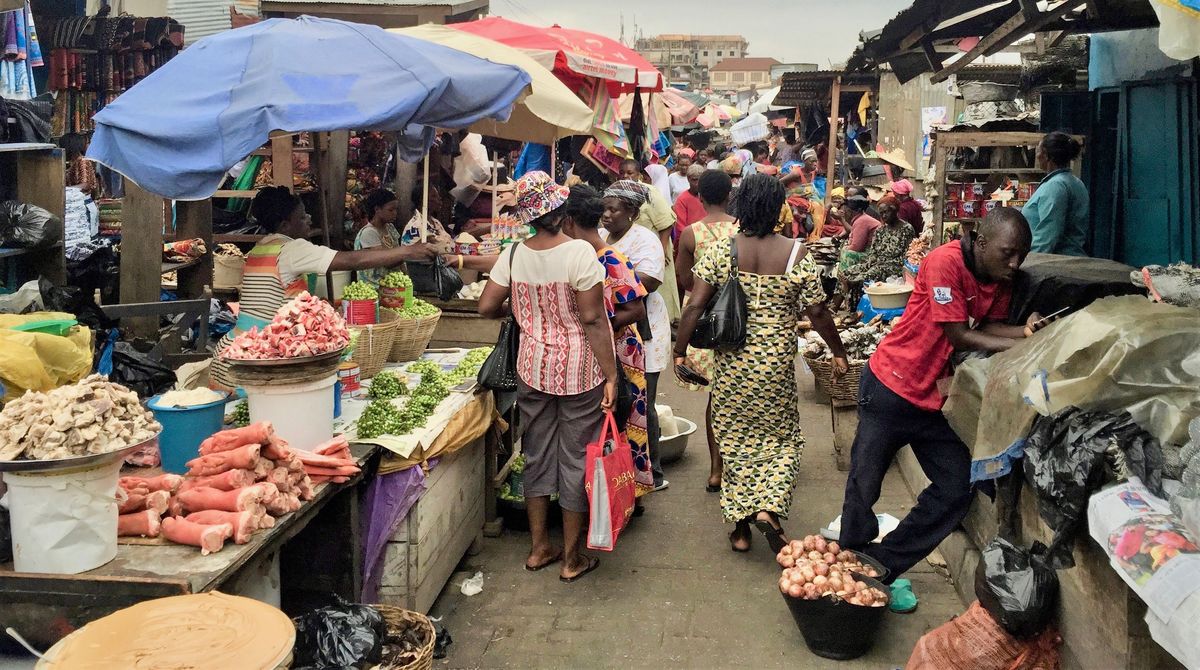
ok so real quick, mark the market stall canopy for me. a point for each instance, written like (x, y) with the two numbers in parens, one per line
(573, 54)
(176, 132)
(669, 110)
(766, 102)
(549, 113)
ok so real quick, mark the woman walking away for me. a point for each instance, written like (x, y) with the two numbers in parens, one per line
(622, 202)
(755, 414)
(625, 303)
(566, 369)
(716, 225)
(1058, 211)
(885, 256)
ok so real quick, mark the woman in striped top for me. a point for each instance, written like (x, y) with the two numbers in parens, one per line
(284, 263)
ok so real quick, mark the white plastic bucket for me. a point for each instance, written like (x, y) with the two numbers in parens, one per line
(301, 413)
(63, 522)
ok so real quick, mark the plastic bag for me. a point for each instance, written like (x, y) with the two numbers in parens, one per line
(609, 482)
(1017, 586)
(140, 371)
(40, 361)
(974, 641)
(77, 302)
(1064, 458)
(28, 226)
(343, 635)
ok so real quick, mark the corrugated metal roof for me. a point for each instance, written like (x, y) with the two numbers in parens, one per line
(200, 18)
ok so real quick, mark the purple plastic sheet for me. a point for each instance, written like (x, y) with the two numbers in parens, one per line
(388, 500)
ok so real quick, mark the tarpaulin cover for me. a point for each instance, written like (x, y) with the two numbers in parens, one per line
(1049, 282)
(1122, 353)
(387, 502)
(177, 131)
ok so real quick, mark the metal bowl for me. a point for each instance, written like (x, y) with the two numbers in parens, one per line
(77, 463)
(670, 449)
(285, 362)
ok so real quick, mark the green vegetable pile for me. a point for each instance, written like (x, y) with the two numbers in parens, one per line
(381, 417)
(387, 385)
(395, 280)
(359, 291)
(241, 415)
(415, 309)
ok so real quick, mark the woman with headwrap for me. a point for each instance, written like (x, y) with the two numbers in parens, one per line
(756, 419)
(660, 178)
(623, 202)
(910, 209)
(657, 217)
(885, 256)
(566, 366)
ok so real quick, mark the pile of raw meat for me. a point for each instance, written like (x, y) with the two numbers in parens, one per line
(91, 416)
(242, 481)
(306, 326)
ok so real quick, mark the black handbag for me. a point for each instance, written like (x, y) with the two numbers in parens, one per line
(499, 371)
(435, 278)
(722, 326)
(623, 408)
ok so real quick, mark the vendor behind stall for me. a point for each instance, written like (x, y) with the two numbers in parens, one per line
(960, 302)
(281, 265)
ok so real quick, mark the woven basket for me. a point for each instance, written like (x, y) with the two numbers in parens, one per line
(397, 619)
(375, 343)
(846, 388)
(412, 336)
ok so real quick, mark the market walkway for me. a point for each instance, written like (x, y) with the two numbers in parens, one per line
(673, 594)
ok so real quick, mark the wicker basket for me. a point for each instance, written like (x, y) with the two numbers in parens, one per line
(396, 619)
(412, 336)
(846, 388)
(375, 343)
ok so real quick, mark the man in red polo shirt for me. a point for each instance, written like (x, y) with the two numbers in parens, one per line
(959, 303)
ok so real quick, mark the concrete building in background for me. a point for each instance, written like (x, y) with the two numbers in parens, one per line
(777, 71)
(738, 74)
(686, 60)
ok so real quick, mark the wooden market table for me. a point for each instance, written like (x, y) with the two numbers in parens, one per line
(318, 549)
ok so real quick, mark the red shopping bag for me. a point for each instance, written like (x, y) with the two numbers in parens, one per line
(610, 486)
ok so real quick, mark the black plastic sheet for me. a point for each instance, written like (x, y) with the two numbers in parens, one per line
(1049, 282)
(1017, 586)
(24, 226)
(142, 372)
(344, 635)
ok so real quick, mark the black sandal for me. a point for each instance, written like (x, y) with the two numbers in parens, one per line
(593, 563)
(713, 488)
(774, 535)
(734, 537)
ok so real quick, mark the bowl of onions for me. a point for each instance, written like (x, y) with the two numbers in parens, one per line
(831, 591)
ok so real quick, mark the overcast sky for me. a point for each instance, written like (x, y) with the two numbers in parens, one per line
(793, 31)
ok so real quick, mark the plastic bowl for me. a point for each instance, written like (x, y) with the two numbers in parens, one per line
(670, 449)
(833, 628)
(888, 296)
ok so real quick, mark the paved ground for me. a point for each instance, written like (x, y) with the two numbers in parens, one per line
(673, 594)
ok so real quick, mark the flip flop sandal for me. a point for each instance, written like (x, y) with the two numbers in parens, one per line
(733, 547)
(547, 564)
(904, 600)
(774, 535)
(592, 565)
(713, 488)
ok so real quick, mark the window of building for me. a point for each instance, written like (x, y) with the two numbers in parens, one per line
(756, 76)
(718, 53)
(739, 76)
(719, 77)
(705, 53)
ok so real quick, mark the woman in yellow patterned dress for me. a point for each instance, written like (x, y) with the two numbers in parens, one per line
(717, 224)
(754, 406)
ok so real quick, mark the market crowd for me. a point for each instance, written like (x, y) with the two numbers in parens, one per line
(619, 271)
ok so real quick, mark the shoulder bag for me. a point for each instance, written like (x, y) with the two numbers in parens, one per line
(722, 326)
(499, 371)
(434, 278)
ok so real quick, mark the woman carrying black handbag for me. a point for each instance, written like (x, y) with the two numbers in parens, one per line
(756, 418)
(565, 366)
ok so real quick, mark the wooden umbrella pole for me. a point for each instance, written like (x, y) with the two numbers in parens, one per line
(425, 199)
(553, 160)
(495, 194)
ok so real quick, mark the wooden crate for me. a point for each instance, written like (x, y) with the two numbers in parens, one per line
(437, 532)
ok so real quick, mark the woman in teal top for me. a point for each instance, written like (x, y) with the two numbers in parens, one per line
(1058, 211)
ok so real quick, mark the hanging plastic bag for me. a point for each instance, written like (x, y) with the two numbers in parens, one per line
(609, 485)
(28, 226)
(1064, 463)
(343, 635)
(41, 361)
(1017, 586)
(974, 640)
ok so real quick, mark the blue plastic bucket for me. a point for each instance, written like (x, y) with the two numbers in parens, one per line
(184, 428)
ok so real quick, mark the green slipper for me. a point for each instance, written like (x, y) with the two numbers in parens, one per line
(903, 598)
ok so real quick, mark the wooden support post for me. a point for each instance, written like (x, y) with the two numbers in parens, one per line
(142, 218)
(845, 424)
(194, 220)
(939, 211)
(835, 102)
(281, 162)
(39, 182)
(332, 158)
(406, 179)
(424, 222)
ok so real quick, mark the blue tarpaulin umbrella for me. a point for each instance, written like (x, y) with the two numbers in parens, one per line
(177, 131)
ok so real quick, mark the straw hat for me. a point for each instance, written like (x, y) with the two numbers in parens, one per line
(895, 157)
